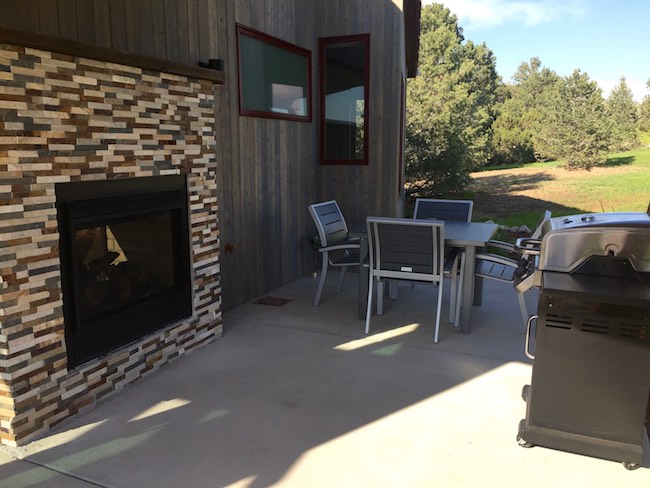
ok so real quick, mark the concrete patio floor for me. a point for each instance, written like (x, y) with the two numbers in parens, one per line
(298, 396)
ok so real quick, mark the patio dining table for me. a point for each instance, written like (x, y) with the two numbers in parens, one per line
(466, 235)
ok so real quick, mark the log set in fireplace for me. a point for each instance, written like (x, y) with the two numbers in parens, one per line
(125, 261)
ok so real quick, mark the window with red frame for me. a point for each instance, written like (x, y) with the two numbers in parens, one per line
(274, 77)
(344, 65)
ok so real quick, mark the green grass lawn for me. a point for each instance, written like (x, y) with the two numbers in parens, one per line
(622, 184)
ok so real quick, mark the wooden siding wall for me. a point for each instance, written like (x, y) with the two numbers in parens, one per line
(178, 30)
(271, 172)
(268, 170)
(370, 190)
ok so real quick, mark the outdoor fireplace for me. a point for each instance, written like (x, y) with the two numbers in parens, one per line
(125, 260)
(110, 255)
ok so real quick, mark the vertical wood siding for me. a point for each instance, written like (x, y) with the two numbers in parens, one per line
(268, 169)
(272, 172)
(372, 189)
(268, 177)
(178, 30)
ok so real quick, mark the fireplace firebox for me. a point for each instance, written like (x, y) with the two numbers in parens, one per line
(125, 260)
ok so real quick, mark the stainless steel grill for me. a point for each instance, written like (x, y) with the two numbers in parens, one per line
(572, 242)
(590, 385)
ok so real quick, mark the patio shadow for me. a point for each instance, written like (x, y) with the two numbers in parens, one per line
(298, 396)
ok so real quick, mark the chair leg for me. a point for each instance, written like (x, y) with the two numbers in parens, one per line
(438, 309)
(453, 290)
(323, 275)
(523, 308)
(380, 297)
(459, 291)
(339, 285)
(369, 307)
(392, 289)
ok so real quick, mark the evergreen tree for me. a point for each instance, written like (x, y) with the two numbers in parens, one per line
(520, 114)
(622, 111)
(574, 125)
(643, 122)
(512, 140)
(450, 106)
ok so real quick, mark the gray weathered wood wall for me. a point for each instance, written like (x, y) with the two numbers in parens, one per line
(372, 189)
(268, 169)
(179, 30)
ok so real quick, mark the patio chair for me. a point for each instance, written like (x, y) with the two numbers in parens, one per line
(458, 210)
(337, 249)
(405, 249)
(517, 272)
(430, 208)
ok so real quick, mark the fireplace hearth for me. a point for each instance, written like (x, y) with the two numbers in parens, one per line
(126, 267)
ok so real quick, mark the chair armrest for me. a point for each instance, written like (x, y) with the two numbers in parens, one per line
(495, 258)
(336, 247)
(349, 240)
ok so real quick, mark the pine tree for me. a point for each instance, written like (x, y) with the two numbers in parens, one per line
(575, 126)
(450, 106)
(643, 121)
(622, 111)
(517, 123)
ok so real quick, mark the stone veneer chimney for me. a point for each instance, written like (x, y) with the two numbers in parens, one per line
(65, 119)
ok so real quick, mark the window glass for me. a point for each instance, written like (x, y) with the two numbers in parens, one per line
(344, 99)
(274, 77)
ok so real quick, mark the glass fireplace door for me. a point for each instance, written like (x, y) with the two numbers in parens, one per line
(125, 261)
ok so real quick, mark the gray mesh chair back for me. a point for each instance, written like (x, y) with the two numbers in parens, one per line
(429, 208)
(337, 249)
(405, 249)
(329, 221)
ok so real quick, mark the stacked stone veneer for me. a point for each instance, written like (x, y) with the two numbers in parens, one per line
(66, 119)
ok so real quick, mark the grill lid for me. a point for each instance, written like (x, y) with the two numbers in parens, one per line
(606, 219)
(569, 242)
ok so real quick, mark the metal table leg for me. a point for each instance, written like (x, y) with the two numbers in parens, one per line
(468, 289)
(363, 278)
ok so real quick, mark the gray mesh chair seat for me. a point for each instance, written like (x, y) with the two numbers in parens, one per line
(337, 249)
(405, 249)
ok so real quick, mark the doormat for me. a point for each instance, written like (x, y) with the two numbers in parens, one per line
(273, 301)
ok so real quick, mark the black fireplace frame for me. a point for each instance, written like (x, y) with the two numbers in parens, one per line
(79, 203)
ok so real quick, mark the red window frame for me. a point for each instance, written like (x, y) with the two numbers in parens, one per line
(323, 42)
(279, 43)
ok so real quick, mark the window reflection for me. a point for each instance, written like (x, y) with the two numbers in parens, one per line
(344, 96)
(274, 77)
